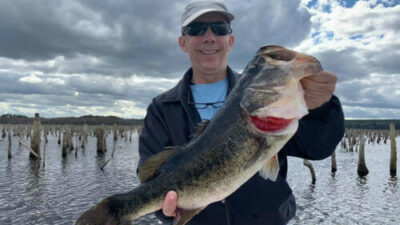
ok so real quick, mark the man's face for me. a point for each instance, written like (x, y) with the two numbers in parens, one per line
(208, 52)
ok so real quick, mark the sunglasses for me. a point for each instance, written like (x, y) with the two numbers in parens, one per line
(199, 28)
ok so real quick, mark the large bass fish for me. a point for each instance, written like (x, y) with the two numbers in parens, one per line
(259, 116)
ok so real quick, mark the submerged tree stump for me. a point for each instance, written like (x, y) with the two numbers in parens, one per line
(9, 144)
(385, 139)
(35, 140)
(76, 145)
(59, 137)
(362, 169)
(70, 143)
(101, 140)
(44, 154)
(309, 166)
(46, 133)
(351, 143)
(84, 136)
(64, 145)
(112, 156)
(115, 132)
(393, 151)
(28, 148)
(333, 163)
(3, 132)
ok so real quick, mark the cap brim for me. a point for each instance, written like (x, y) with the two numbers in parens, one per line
(190, 19)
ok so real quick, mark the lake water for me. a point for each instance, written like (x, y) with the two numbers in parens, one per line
(57, 193)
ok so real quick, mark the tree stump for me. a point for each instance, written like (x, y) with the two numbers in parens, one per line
(64, 146)
(115, 132)
(362, 169)
(393, 151)
(9, 144)
(309, 166)
(333, 163)
(36, 136)
(101, 140)
(3, 132)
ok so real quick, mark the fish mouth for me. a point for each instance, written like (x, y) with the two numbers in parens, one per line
(272, 125)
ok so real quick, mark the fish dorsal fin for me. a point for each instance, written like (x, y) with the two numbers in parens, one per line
(149, 167)
(200, 128)
(271, 169)
(185, 215)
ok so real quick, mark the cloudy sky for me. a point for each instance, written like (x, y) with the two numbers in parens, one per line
(80, 57)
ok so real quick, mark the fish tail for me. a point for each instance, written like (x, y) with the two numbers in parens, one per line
(121, 209)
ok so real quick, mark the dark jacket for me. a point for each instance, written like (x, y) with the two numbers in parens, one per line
(170, 121)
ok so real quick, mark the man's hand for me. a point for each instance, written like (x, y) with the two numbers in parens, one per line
(318, 88)
(170, 202)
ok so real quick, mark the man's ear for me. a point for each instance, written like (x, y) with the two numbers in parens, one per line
(231, 42)
(182, 43)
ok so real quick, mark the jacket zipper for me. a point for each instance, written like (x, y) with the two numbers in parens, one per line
(228, 221)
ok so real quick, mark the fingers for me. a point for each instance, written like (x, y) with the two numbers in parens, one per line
(319, 80)
(170, 203)
(318, 88)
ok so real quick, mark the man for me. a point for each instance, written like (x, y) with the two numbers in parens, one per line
(172, 116)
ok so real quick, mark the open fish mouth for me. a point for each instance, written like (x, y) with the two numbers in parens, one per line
(272, 125)
(269, 123)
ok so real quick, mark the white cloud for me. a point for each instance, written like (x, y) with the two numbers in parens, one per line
(360, 45)
(112, 58)
(162, 83)
(55, 81)
(33, 79)
(128, 108)
(5, 107)
(363, 27)
(358, 112)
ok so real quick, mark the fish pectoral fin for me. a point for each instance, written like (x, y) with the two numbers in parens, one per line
(271, 169)
(185, 215)
(149, 167)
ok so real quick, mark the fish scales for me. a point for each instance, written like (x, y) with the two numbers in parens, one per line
(259, 116)
(219, 161)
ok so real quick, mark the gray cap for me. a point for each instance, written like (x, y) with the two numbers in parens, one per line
(198, 8)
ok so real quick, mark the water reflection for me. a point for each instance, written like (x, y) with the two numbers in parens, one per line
(64, 165)
(343, 197)
(362, 182)
(391, 185)
(393, 181)
(66, 187)
(100, 160)
(309, 192)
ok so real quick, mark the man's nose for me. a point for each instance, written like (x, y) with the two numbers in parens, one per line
(209, 35)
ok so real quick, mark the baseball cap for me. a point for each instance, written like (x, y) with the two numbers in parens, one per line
(200, 7)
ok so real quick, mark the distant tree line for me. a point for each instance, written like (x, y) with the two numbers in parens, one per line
(371, 124)
(88, 119)
(110, 120)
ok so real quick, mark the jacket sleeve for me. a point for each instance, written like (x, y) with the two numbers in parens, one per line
(154, 135)
(152, 139)
(319, 132)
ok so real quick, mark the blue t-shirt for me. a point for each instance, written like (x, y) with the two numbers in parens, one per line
(208, 98)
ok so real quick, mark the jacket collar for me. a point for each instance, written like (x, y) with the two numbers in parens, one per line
(181, 91)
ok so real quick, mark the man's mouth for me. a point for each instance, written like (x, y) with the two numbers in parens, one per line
(269, 123)
(208, 52)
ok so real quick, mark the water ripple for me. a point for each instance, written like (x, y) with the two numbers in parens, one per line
(57, 193)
